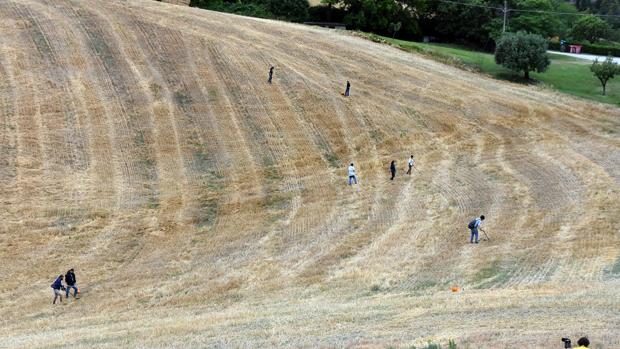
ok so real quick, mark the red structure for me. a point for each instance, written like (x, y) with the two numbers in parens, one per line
(575, 48)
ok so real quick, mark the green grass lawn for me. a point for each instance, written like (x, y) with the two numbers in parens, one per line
(565, 74)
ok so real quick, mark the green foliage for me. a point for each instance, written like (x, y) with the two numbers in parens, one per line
(431, 345)
(479, 26)
(522, 52)
(566, 74)
(595, 49)
(291, 10)
(608, 7)
(590, 28)
(605, 71)
(603, 50)
(566, 20)
(465, 24)
(544, 24)
(376, 15)
(395, 27)
(583, 5)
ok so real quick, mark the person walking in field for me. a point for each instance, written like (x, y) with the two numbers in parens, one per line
(57, 287)
(474, 225)
(410, 164)
(71, 284)
(348, 89)
(393, 169)
(352, 175)
(270, 75)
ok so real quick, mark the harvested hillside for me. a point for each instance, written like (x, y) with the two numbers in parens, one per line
(202, 207)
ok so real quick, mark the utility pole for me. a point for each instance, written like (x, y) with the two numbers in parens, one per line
(505, 15)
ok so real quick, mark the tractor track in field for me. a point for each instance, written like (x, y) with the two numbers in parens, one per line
(201, 206)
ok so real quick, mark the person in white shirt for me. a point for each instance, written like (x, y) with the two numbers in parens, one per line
(410, 163)
(352, 176)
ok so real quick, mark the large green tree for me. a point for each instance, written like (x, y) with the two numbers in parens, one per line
(471, 24)
(522, 52)
(590, 28)
(545, 24)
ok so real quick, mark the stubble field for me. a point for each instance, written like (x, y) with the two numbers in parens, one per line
(202, 207)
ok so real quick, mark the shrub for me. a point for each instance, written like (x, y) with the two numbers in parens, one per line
(553, 45)
(603, 50)
(430, 345)
(604, 71)
(522, 52)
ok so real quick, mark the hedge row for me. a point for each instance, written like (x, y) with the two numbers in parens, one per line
(601, 50)
(594, 49)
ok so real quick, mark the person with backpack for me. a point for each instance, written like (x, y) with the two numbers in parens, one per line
(352, 175)
(348, 89)
(71, 283)
(473, 226)
(57, 287)
(270, 74)
(393, 169)
(410, 163)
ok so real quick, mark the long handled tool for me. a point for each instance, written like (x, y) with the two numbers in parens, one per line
(485, 234)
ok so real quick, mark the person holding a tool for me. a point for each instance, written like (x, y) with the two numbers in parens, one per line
(474, 225)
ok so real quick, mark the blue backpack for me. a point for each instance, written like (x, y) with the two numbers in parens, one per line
(472, 224)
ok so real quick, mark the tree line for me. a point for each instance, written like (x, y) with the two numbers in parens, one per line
(476, 23)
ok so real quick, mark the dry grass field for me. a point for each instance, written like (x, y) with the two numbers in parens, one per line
(202, 207)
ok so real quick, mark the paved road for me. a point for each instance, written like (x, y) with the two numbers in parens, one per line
(583, 56)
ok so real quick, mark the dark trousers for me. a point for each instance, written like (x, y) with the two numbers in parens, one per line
(352, 179)
(409, 170)
(393, 175)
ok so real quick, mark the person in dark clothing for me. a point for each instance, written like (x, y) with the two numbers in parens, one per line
(270, 74)
(393, 169)
(57, 287)
(71, 283)
(348, 89)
